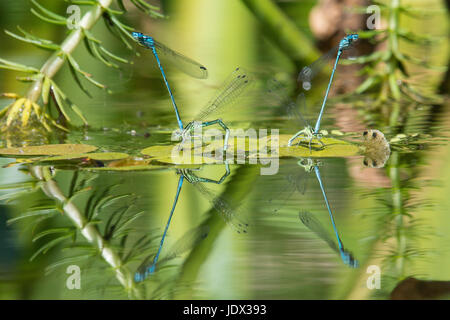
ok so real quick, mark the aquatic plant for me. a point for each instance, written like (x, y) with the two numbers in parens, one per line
(386, 70)
(33, 106)
(98, 233)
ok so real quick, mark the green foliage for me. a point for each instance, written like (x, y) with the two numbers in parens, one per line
(43, 87)
(106, 224)
(386, 69)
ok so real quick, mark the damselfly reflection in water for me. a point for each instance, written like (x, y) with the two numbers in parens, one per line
(233, 87)
(313, 224)
(296, 181)
(187, 242)
(229, 214)
(183, 63)
(141, 274)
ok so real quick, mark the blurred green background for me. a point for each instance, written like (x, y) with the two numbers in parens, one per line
(394, 217)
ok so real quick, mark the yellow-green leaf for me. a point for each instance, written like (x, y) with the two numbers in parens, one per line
(333, 148)
(14, 110)
(52, 149)
(26, 112)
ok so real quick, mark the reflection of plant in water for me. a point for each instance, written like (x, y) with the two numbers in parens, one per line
(101, 230)
(402, 231)
(102, 237)
(26, 110)
(399, 232)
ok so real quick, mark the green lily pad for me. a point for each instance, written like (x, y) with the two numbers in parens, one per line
(102, 156)
(170, 154)
(127, 168)
(333, 148)
(48, 150)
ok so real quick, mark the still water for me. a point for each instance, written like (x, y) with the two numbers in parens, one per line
(81, 227)
(378, 214)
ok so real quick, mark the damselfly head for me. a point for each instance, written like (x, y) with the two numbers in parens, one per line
(353, 37)
(137, 35)
(347, 42)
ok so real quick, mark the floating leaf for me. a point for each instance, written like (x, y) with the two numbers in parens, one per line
(51, 149)
(102, 156)
(128, 164)
(172, 154)
(333, 148)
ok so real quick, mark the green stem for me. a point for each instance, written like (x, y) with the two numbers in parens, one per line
(283, 31)
(398, 211)
(89, 231)
(393, 48)
(56, 61)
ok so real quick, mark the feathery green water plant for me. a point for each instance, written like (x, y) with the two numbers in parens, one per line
(99, 226)
(32, 108)
(386, 70)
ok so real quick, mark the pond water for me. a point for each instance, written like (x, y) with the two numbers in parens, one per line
(252, 236)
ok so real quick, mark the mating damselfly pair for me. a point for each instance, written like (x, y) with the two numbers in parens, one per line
(232, 88)
(235, 86)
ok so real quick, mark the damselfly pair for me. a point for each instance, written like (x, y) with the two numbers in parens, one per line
(232, 88)
(309, 133)
(231, 215)
(296, 182)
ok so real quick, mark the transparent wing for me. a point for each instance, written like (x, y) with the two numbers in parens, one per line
(188, 241)
(232, 216)
(299, 110)
(120, 77)
(183, 63)
(295, 114)
(351, 53)
(308, 73)
(313, 224)
(293, 182)
(236, 83)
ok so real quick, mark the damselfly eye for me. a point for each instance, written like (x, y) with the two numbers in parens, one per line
(365, 133)
(374, 134)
